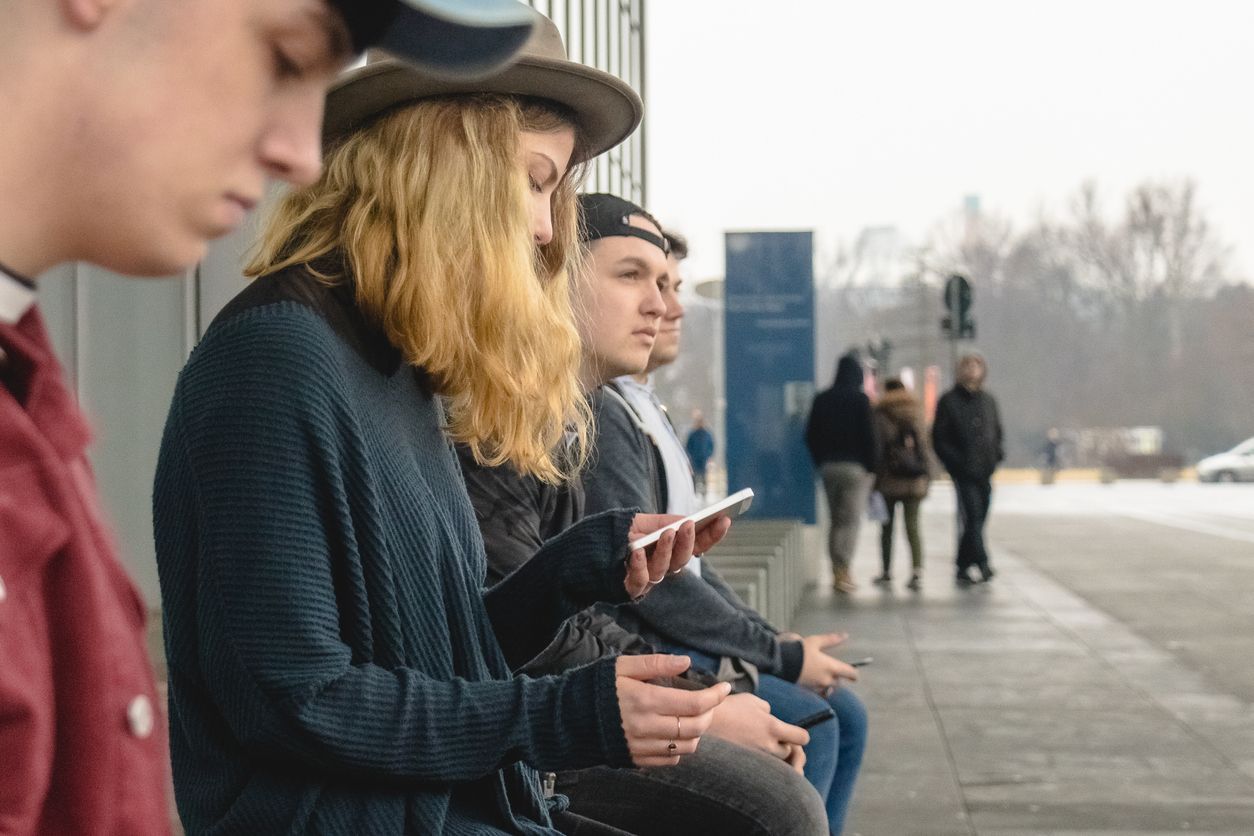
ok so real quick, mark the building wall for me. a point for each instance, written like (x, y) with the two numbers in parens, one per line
(123, 341)
(608, 35)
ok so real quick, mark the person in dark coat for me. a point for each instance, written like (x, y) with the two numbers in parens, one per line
(841, 440)
(967, 437)
(902, 474)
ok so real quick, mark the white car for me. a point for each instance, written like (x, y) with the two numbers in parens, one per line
(1237, 465)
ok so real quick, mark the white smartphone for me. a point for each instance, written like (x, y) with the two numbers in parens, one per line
(733, 506)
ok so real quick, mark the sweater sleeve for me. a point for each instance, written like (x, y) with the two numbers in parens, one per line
(618, 473)
(267, 490)
(687, 610)
(711, 576)
(792, 653)
(581, 566)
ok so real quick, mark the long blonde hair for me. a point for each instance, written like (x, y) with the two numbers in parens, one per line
(426, 210)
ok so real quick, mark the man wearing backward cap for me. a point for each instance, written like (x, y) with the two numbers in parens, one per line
(696, 612)
(135, 132)
(745, 777)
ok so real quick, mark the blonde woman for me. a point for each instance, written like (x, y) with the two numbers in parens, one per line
(334, 666)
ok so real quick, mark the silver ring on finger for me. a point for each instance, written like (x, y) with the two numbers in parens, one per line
(679, 729)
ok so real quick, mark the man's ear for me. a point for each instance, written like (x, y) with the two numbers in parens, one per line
(86, 14)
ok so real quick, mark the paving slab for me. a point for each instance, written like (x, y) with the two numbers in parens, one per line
(1101, 684)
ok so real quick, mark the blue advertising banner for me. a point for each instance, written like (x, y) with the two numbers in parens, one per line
(768, 297)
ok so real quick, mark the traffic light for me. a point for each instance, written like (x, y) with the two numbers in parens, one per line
(959, 324)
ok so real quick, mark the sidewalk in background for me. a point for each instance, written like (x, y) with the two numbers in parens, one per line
(1055, 700)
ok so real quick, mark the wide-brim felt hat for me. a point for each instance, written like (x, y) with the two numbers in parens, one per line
(606, 107)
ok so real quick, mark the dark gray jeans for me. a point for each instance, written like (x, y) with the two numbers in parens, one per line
(847, 485)
(723, 788)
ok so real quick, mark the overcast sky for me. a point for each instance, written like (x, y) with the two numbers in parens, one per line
(836, 115)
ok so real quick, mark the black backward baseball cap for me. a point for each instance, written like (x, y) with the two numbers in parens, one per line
(462, 38)
(609, 216)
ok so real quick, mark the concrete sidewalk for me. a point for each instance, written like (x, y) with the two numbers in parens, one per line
(1044, 703)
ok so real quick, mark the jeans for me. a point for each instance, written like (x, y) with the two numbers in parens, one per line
(974, 498)
(834, 754)
(910, 510)
(847, 485)
(722, 788)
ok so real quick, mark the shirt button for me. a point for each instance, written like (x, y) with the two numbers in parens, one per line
(139, 717)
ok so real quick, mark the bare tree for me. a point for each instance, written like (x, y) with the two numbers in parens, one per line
(1162, 246)
(972, 243)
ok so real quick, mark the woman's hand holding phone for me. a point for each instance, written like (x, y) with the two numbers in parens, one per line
(670, 553)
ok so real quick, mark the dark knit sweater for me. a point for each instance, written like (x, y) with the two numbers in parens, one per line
(333, 662)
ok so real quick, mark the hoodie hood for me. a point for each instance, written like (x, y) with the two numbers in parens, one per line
(849, 372)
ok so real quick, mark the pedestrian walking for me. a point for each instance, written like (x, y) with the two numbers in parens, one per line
(841, 440)
(967, 437)
(901, 476)
(1051, 456)
(700, 447)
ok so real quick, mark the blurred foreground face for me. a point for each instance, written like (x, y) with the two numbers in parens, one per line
(545, 156)
(192, 107)
(621, 303)
(666, 347)
(971, 372)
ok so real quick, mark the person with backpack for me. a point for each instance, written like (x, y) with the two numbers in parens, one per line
(902, 475)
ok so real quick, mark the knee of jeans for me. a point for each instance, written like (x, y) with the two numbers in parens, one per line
(789, 805)
(805, 811)
(825, 736)
(850, 715)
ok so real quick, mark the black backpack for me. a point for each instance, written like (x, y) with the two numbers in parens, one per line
(905, 455)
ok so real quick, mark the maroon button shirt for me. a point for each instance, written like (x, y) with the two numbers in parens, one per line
(83, 746)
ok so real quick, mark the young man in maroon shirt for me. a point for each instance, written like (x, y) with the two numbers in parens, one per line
(135, 131)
